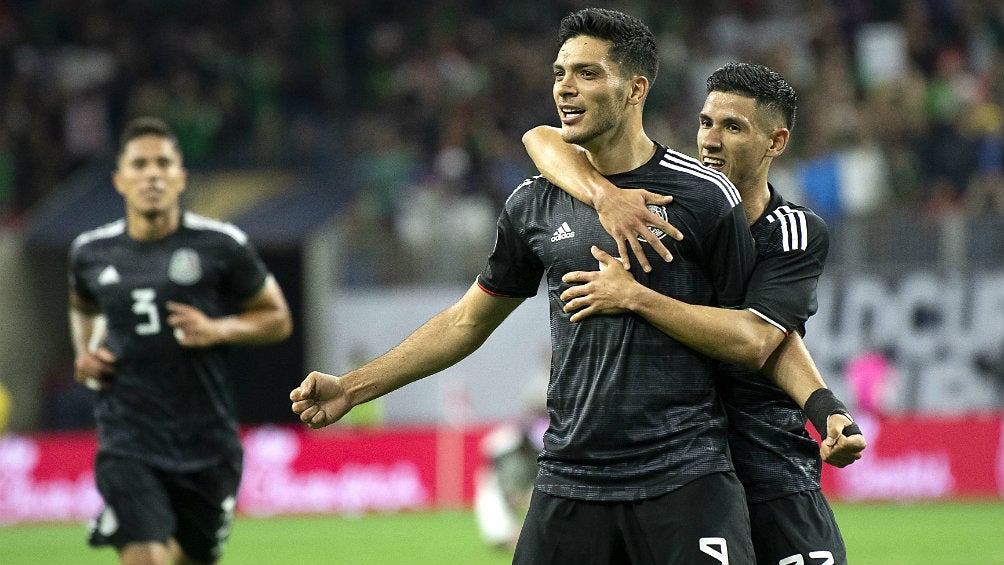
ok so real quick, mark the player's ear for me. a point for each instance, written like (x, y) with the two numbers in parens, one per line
(116, 181)
(778, 141)
(638, 89)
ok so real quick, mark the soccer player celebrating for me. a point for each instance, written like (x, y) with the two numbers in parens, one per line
(745, 123)
(637, 437)
(150, 319)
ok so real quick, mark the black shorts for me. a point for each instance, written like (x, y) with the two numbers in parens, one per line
(798, 529)
(702, 523)
(147, 504)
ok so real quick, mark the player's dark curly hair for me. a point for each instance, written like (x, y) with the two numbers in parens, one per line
(633, 44)
(146, 125)
(760, 83)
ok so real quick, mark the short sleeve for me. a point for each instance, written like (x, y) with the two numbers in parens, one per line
(782, 289)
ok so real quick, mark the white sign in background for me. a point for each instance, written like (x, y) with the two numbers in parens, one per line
(498, 381)
(932, 326)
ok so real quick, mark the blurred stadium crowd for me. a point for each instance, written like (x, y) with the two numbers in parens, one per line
(429, 99)
(901, 117)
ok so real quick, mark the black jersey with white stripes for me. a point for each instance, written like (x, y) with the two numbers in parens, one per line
(167, 405)
(773, 453)
(792, 244)
(633, 413)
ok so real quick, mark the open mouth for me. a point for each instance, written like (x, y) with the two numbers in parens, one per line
(570, 114)
(713, 163)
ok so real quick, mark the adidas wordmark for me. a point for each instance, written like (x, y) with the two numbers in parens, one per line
(563, 232)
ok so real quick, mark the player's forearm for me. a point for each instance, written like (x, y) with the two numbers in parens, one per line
(438, 344)
(81, 330)
(792, 369)
(566, 165)
(254, 327)
(424, 353)
(264, 319)
(734, 336)
(85, 325)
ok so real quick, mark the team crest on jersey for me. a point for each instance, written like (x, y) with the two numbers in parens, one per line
(661, 212)
(185, 268)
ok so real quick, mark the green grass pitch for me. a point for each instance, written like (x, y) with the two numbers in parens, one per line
(958, 533)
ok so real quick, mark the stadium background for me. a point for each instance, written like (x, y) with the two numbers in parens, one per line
(366, 147)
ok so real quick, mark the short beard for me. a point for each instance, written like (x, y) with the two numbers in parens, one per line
(580, 138)
(604, 122)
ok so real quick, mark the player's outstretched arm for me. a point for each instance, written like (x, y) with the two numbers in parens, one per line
(321, 399)
(735, 336)
(623, 213)
(444, 340)
(264, 318)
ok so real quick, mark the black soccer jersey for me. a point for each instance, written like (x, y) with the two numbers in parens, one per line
(773, 453)
(167, 405)
(633, 413)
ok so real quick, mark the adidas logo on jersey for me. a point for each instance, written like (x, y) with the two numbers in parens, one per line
(563, 232)
(109, 276)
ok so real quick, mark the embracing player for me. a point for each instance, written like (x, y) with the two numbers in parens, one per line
(745, 123)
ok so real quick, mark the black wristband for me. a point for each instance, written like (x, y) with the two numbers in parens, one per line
(818, 407)
(852, 430)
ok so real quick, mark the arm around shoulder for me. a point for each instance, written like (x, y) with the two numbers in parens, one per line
(565, 165)
(624, 214)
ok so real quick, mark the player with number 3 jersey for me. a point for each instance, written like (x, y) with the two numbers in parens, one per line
(156, 298)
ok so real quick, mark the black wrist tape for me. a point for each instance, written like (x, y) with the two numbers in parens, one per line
(820, 404)
(852, 430)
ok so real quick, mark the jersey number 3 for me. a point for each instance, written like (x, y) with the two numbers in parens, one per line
(143, 304)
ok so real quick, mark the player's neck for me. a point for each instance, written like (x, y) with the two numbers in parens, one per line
(755, 200)
(152, 226)
(626, 154)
